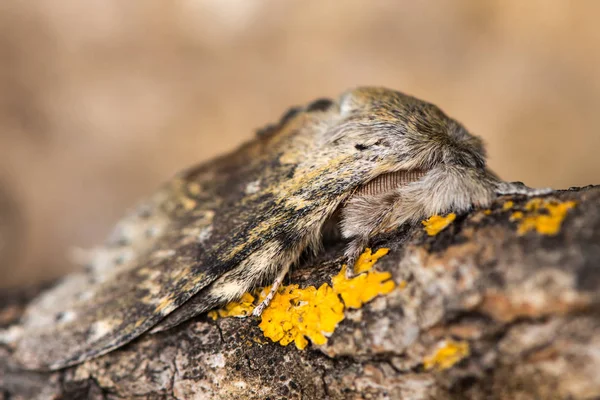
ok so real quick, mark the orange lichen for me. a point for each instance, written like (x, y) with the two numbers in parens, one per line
(534, 204)
(363, 288)
(367, 259)
(543, 216)
(508, 205)
(448, 353)
(297, 314)
(516, 215)
(436, 223)
(241, 308)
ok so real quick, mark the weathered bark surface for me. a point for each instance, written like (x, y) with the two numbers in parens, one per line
(527, 307)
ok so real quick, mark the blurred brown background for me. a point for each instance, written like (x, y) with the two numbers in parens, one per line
(102, 100)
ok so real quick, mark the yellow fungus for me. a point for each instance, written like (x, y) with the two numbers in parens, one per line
(435, 224)
(543, 216)
(487, 211)
(448, 353)
(297, 314)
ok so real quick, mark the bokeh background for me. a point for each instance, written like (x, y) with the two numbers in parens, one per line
(102, 100)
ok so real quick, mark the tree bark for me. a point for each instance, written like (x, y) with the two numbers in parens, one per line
(502, 303)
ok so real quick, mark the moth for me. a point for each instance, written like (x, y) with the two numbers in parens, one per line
(363, 164)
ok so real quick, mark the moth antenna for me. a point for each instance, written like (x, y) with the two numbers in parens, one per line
(387, 182)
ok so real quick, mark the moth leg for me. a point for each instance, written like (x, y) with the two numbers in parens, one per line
(276, 283)
(503, 188)
(361, 218)
(352, 252)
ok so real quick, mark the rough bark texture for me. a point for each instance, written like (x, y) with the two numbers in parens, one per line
(524, 306)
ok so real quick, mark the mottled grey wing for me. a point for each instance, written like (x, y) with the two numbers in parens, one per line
(164, 252)
(276, 188)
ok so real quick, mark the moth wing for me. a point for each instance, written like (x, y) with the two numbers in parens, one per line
(204, 219)
(272, 193)
(91, 313)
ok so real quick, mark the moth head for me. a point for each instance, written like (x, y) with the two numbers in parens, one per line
(391, 127)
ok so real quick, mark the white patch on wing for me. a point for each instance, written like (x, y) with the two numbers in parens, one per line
(152, 231)
(231, 290)
(85, 295)
(163, 253)
(266, 261)
(263, 264)
(42, 310)
(124, 257)
(66, 316)
(12, 334)
(100, 329)
(252, 187)
(205, 234)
